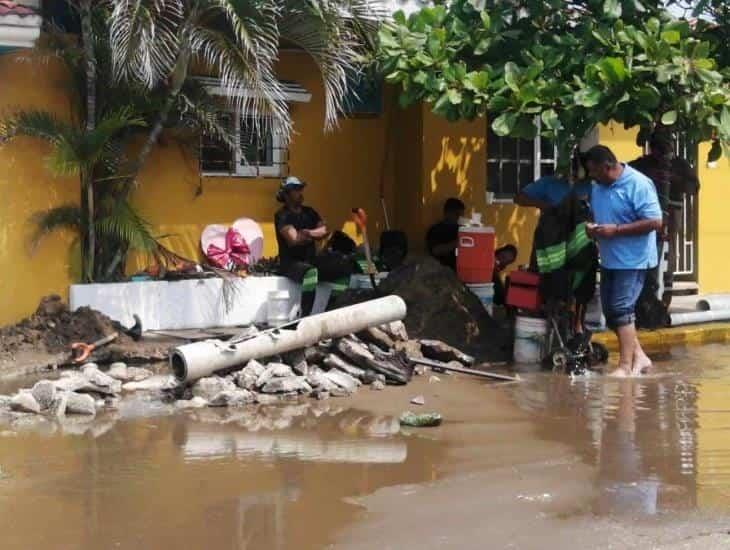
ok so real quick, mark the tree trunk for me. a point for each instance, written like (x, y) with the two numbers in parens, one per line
(87, 175)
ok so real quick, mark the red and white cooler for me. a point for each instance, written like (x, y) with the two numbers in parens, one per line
(475, 255)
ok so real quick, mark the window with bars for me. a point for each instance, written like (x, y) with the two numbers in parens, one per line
(260, 152)
(514, 163)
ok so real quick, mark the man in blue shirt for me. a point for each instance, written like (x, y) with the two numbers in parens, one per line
(627, 217)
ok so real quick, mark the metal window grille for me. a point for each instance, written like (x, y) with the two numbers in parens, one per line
(514, 163)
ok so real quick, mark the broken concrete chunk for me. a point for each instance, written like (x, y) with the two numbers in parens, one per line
(321, 395)
(335, 362)
(395, 330)
(355, 352)
(232, 398)
(123, 373)
(25, 402)
(155, 383)
(5, 401)
(412, 348)
(418, 400)
(246, 378)
(118, 371)
(369, 377)
(314, 355)
(209, 387)
(319, 381)
(98, 382)
(376, 336)
(343, 380)
(287, 385)
(274, 370)
(44, 393)
(194, 403)
(59, 405)
(298, 361)
(440, 351)
(377, 385)
(80, 403)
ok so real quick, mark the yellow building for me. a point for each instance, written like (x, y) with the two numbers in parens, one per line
(416, 159)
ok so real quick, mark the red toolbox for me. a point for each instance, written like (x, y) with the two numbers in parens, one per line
(524, 290)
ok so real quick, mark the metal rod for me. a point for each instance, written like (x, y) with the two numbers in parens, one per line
(462, 370)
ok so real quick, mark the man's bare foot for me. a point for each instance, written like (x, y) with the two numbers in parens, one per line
(620, 372)
(641, 366)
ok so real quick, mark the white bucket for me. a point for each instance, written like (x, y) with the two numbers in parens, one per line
(530, 339)
(363, 282)
(277, 308)
(485, 293)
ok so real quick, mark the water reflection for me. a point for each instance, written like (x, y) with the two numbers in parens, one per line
(648, 437)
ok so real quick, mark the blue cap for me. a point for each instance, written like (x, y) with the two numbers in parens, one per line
(292, 182)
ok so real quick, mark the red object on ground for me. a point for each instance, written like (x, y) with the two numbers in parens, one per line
(524, 290)
(475, 255)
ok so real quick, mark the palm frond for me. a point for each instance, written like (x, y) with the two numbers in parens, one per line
(67, 216)
(35, 123)
(147, 38)
(125, 226)
(335, 34)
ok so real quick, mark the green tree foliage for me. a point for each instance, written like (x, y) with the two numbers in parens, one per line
(572, 64)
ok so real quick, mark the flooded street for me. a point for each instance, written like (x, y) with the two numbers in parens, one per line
(615, 463)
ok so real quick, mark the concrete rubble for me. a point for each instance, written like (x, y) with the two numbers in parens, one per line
(330, 369)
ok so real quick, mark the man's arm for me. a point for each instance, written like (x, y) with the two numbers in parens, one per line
(320, 232)
(292, 237)
(640, 227)
(522, 199)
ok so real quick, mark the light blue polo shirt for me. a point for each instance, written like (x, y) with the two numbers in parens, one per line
(630, 198)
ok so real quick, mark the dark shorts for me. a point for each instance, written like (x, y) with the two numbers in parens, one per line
(620, 290)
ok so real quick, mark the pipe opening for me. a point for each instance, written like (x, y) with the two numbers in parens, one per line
(703, 305)
(179, 366)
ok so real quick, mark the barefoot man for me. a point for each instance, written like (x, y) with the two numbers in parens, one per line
(627, 217)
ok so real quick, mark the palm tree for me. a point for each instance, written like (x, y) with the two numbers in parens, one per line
(158, 41)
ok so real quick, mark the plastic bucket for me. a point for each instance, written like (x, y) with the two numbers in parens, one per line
(277, 307)
(363, 282)
(485, 293)
(530, 339)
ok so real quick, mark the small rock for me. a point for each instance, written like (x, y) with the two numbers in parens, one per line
(137, 374)
(369, 377)
(246, 378)
(355, 352)
(99, 403)
(319, 381)
(335, 362)
(419, 371)
(44, 393)
(194, 403)
(274, 370)
(298, 361)
(412, 348)
(396, 330)
(209, 387)
(267, 399)
(156, 383)
(377, 385)
(80, 403)
(118, 371)
(5, 401)
(58, 407)
(89, 366)
(232, 398)
(432, 379)
(98, 382)
(321, 395)
(25, 402)
(314, 355)
(418, 400)
(341, 392)
(343, 381)
(287, 385)
(378, 337)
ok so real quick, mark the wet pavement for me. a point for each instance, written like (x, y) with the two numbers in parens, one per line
(533, 464)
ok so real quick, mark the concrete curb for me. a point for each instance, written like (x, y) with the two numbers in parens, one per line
(691, 335)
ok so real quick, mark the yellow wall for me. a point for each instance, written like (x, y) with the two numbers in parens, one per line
(342, 168)
(26, 188)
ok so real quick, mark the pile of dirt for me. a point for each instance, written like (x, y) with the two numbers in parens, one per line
(441, 307)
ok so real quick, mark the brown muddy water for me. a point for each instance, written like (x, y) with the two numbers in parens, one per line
(341, 473)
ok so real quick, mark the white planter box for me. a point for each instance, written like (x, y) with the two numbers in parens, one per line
(190, 304)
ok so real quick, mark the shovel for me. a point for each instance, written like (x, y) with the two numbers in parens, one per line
(361, 220)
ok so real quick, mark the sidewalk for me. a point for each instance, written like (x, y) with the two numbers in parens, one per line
(654, 340)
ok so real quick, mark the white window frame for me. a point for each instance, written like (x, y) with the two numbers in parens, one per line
(537, 163)
(276, 169)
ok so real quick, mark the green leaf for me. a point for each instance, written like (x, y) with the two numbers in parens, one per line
(454, 96)
(550, 119)
(486, 21)
(477, 81)
(512, 76)
(671, 37)
(588, 97)
(649, 97)
(498, 103)
(669, 118)
(504, 123)
(725, 121)
(613, 68)
(612, 8)
(653, 25)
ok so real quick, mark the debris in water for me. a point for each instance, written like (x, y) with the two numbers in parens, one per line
(418, 400)
(424, 420)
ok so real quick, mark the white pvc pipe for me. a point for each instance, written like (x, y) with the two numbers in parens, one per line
(695, 317)
(200, 359)
(714, 302)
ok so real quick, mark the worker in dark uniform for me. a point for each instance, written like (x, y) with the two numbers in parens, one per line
(442, 238)
(298, 228)
(683, 181)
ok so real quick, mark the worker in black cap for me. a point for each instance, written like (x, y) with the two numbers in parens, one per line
(298, 228)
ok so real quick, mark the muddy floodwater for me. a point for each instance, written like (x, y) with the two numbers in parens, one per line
(551, 462)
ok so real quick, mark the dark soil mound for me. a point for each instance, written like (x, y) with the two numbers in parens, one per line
(441, 307)
(52, 328)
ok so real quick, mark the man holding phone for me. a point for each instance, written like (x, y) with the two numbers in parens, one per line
(627, 216)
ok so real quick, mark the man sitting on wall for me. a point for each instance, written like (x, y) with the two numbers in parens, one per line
(298, 228)
(442, 238)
